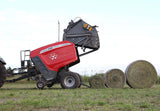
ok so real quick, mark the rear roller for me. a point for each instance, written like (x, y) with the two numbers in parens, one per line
(3, 73)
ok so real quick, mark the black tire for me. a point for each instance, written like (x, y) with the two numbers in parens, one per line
(40, 84)
(3, 74)
(69, 80)
(80, 80)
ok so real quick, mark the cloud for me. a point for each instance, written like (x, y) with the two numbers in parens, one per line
(3, 19)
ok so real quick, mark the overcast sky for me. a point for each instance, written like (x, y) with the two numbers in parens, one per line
(129, 30)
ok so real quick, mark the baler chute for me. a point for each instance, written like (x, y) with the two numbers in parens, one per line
(82, 35)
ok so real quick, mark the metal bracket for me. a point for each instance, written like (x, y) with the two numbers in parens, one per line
(87, 52)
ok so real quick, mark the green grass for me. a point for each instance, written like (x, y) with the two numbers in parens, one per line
(26, 97)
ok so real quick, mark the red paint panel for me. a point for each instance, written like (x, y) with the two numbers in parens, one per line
(56, 55)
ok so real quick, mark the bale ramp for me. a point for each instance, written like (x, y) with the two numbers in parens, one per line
(141, 74)
(114, 78)
(96, 82)
(3, 73)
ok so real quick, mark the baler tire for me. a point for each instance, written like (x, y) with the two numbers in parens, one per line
(69, 80)
(3, 74)
(40, 84)
(80, 81)
(80, 78)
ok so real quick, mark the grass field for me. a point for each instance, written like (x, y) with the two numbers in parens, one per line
(26, 97)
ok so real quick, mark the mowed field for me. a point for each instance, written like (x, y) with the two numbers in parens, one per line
(26, 97)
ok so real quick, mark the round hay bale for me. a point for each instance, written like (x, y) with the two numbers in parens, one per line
(114, 78)
(96, 82)
(141, 74)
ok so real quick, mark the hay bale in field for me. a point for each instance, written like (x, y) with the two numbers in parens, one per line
(141, 74)
(114, 78)
(96, 82)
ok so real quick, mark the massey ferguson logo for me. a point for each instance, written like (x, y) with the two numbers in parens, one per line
(53, 56)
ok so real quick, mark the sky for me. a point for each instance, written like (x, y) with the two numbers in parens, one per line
(129, 30)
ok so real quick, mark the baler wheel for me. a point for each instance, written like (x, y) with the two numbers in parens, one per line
(80, 81)
(80, 78)
(40, 84)
(3, 73)
(70, 80)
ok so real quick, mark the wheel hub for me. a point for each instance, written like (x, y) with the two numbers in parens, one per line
(40, 84)
(69, 81)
